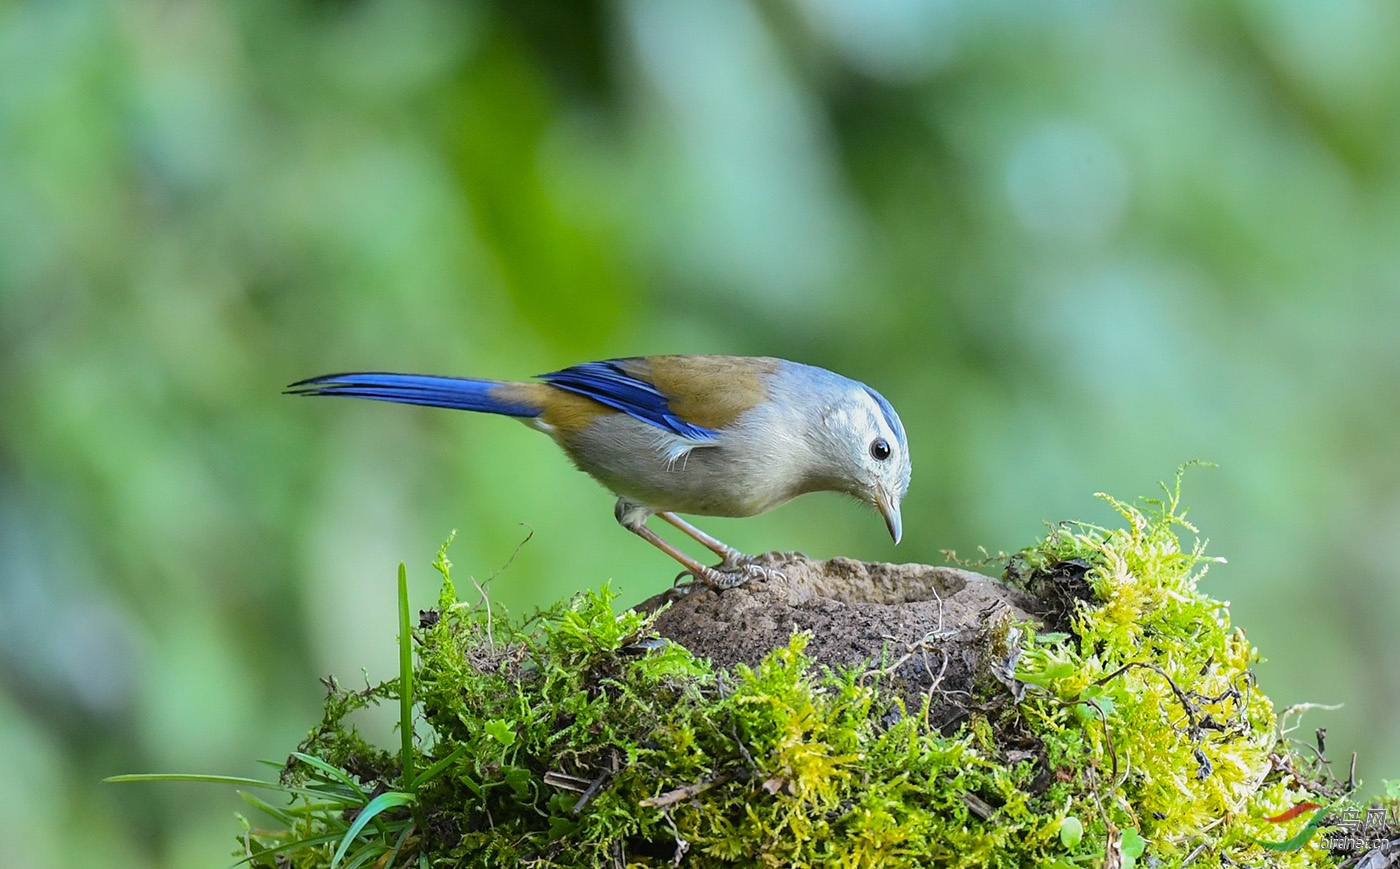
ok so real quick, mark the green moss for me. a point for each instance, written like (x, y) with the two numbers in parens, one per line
(1153, 697)
(573, 739)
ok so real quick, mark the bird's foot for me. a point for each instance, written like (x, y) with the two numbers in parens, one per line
(733, 572)
(736, 560)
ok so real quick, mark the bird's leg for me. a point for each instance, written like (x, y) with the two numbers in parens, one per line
(708, 575)
(732, 560)
(718, 547)
(730, 573)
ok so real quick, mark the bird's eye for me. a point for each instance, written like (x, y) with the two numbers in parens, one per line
(879, 449)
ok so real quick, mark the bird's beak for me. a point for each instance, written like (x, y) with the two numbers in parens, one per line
(889, 508)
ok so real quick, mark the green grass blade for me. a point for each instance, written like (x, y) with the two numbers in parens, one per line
(334, 772)
(436, 769)
(177, 776)
(345, 797)
(364, 855)
(287, 847)
(405, 680)
(282, 815)
(327, 813)
(380, 803)
(398, 845)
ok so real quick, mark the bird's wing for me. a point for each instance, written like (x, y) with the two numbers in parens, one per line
(691, 396)
(610, 384)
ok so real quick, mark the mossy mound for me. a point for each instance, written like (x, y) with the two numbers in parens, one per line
(931, 636)
(1121, 725)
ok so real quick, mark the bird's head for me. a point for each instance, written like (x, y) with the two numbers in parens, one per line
(872, 453)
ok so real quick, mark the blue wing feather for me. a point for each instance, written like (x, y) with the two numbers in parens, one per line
(607, 383)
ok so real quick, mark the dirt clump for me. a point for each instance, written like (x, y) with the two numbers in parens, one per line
(937, 632)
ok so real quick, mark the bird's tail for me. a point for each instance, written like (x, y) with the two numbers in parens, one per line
(458, 393)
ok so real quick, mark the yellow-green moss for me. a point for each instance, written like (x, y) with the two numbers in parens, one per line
(572, 740)
(1154, 685)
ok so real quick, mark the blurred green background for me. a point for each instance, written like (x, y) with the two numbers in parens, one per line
(1075, 243)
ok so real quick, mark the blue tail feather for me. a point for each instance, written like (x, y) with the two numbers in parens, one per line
(457, 393)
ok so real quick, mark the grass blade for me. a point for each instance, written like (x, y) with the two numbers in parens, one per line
(296, 844)
(436, 769)
(334, 772)
(177, 776)
(405, 680)
(387, 800)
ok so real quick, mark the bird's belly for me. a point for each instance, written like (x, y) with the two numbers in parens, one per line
(717, 480)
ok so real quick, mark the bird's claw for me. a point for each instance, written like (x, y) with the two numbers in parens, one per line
(738, 562)
(733, 572)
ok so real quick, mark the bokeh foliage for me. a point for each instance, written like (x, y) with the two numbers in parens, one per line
(1074, 243)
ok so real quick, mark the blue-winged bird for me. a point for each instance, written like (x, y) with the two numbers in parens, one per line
(706, 435)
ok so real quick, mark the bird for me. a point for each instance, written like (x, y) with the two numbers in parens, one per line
(701, 435)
